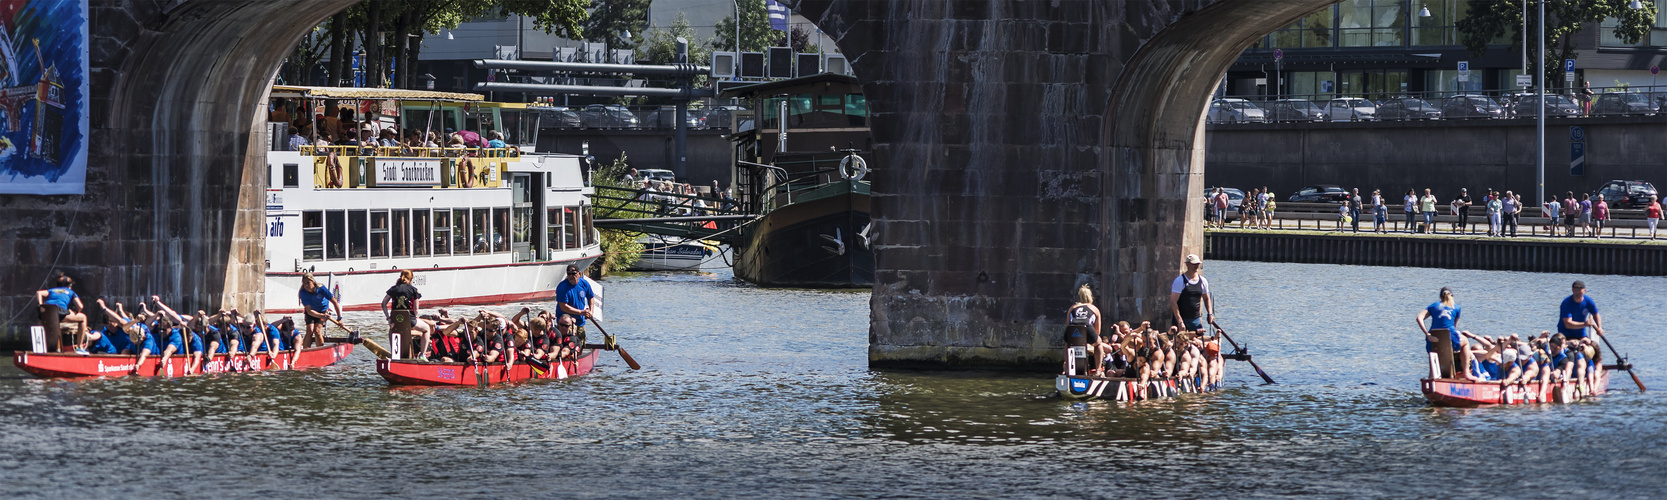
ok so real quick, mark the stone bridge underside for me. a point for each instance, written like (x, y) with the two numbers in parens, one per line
(1035, 145)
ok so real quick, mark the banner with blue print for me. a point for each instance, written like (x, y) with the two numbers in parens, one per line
(43, 96)
(778, 15)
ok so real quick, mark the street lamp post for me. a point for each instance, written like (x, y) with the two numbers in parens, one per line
(1539, 120)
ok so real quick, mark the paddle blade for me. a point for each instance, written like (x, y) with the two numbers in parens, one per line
(627, 357)
(1636, 380)
(1265, 377)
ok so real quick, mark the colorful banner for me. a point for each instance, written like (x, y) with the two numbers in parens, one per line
(43, 96)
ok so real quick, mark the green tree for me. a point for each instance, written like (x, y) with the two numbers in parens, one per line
(1490, 20)
(659, 46)
(756, 34)
(620, 248)
(610, 20)
(391, 31)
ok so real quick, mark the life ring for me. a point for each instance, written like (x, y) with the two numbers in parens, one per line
(853, 167)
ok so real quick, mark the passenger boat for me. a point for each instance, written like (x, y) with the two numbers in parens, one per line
(412, 372)
(1084, 387)
(478, 225)
(71, 365)
(1467, 394)
(664, 253)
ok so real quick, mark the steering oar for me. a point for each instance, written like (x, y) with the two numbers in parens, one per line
(608, 343)
(1240, 351)
(1620, 362)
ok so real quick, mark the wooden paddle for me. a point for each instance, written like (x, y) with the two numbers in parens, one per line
(1240, 350)
(609, 341)
(1620, 362)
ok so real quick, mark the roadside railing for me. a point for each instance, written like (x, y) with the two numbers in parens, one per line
(1622, 223)
(1452, 104)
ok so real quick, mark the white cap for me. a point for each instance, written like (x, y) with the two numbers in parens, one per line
(1193, 259)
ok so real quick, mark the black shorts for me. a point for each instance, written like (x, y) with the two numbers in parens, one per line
(312, 320)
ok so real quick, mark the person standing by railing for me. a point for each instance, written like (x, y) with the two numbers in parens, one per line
(1496, 209)
(1652, 214)
(1510, 206)
(1380, 212)
(1411, 207)
(1461, 208)
(1427, 206)
(1600, 215)
(1354, 208)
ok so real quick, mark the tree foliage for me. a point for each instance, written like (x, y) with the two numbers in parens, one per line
(392, 30)
(610, 19)
(620, 248)
(1489, 20)
(659, 46)
(756, 34)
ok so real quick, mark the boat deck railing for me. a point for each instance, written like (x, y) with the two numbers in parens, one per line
(668, 214)
(354, 167)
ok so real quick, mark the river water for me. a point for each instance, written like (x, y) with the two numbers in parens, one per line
(750, 392)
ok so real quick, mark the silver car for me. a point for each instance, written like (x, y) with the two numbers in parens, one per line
(1234, 111)
(1351, 109)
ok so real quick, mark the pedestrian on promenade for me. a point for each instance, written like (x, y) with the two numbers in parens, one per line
(1427, 206)
(1600, 215)
(1411, 201)
(1354, 208)
(1218, 207)
(1571, 213)
(1247, 208)
(1652, 214)
(1266, 208)
(1549, 210)
(1496, 209)
(1512, 205)
(1461, 208)
(1380, 212)
(1585, 214)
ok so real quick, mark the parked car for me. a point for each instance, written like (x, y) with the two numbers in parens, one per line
(1407, 108)
(608, 116)
(1351, 109)
(1556, 106)
(1235, 197)
(656, 174)
(1623, 103)
(1626, 194)
(1463, 107)
(560, 118)
(1232, 110)
(1321, 193)
(1294, 110)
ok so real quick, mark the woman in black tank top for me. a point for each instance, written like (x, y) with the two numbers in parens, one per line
(1083, 329)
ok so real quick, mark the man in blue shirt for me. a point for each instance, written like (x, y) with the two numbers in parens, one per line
(1443, 315)
(573, 296)
(1578, 312)
(316, 304)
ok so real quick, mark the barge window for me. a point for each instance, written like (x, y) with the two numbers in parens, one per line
(482, 230)
(292, 175)
(419, 231)
(552, 231)
(442, 232)
(312, 235)
(569, 227)
(379, 233)
(500, 230)
(356, 234)
(402, 233)
(335, 234)
(460, 231)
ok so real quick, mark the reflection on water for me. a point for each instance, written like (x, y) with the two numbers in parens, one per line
(750, 392)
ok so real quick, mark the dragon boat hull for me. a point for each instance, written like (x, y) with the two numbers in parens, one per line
(1078, 387)
(71, 365)
(426, 373)
(1467, 394)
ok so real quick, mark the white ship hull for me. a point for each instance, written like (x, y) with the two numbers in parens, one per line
(441, 287)
(671, 254)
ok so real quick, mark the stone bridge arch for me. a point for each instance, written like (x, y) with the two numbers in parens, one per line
(1037, 145)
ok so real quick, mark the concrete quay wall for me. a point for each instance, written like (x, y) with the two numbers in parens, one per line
(1443, 155)
(1632, 257)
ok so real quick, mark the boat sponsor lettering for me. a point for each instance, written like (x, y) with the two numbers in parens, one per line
(446, 373)
(407, 172)
(102, 368)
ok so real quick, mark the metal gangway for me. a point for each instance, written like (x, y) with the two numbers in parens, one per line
(688, 217)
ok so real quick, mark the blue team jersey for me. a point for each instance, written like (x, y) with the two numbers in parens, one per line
(148, 344)
(1441, 317)
(175, 340)
(576, 296)
(317, 300)
(61, 297)
(103, 345)
(1577, 311)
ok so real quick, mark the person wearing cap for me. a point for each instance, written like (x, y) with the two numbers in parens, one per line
(1578, 312)
(316, 304)
(1189, 296)
(1443, 315)
(574, 295)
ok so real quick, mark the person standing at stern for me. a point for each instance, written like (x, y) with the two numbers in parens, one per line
(1189, 297)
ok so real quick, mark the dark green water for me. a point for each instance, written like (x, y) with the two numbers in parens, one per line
(750, 392)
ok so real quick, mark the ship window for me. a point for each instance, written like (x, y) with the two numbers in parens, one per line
(419, 232)
(402, 233)
(460, 231)
(586, 233)
(335, 234)
(292, 175)
(442, 232)
(312, 235)
(356, 234)
(482, 230)
(379, 233)
(570, 228)
(500, 228)
(552, 232)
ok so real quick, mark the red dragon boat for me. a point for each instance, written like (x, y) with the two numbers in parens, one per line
(414, 372)
(71, 365)
(1466, 394)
